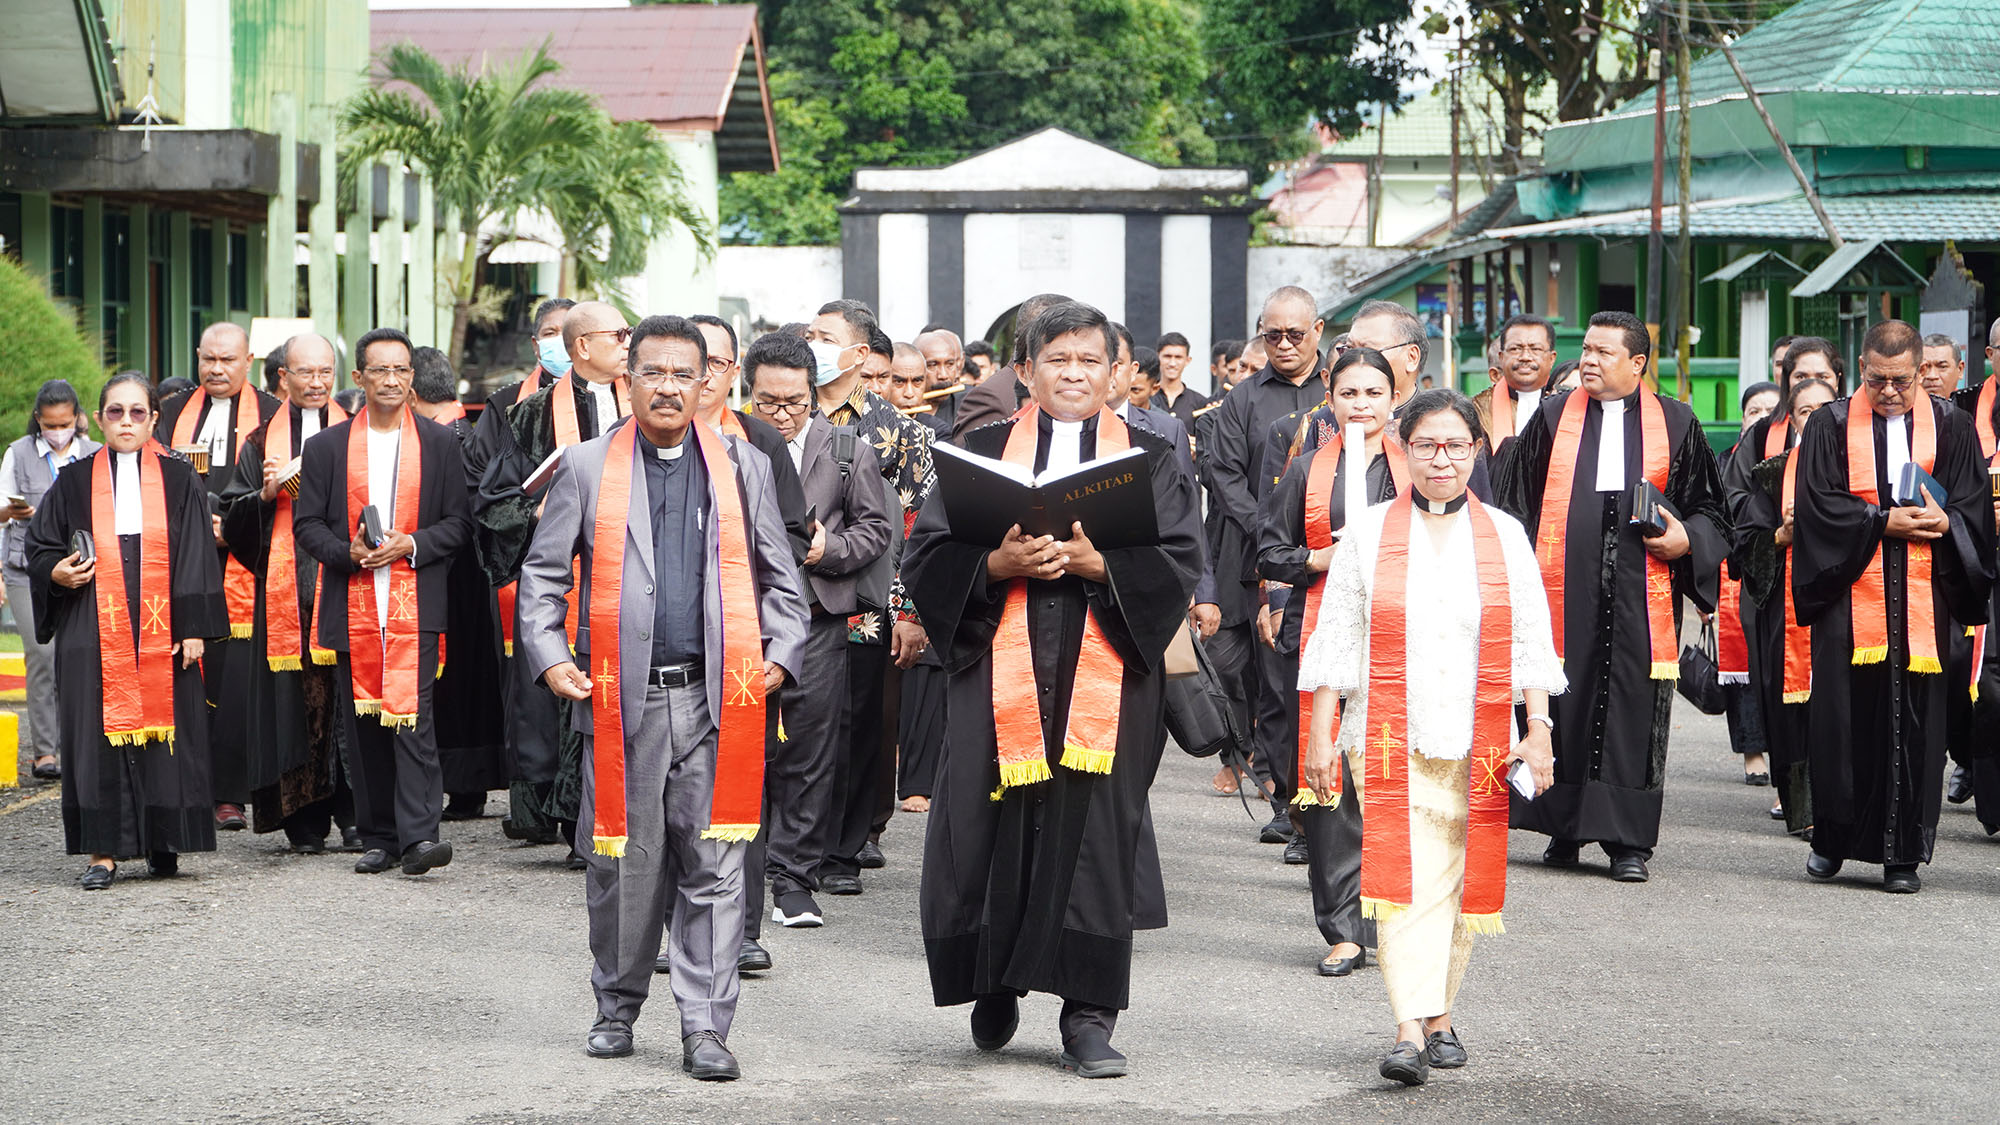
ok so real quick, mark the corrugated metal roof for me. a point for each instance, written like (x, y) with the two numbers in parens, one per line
(1928, 217)
(1422, 127)
(671, 64)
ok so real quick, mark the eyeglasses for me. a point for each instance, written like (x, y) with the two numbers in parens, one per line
(1527, 350)
(1275, 336)
(1428, 450)
(313, 372)
(774, 408)
(1897, 384)
(620, 334)
(662, 378)
(719, 364)
(378, 372)
(116, 413)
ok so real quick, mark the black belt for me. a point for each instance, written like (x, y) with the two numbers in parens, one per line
(674, 675)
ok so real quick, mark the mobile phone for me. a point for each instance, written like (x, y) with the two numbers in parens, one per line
(82, 545)
(371, 526)
(20, 500)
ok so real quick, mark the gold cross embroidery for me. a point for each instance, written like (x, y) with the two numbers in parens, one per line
(1660, 586)
(1553, 542)
(1492, 777)
(403, 609)
(744, 693)
(108, 606)
(1386, 744)
(155, 607)
(607, 683)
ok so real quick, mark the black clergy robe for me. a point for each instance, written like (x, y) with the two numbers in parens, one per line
(1876, 732)
(290, 715)
(1035, 891)
(1612, 723)
(471, 731)
(129, 801)
(1756, 512)
(1974, 724)
(239, 762)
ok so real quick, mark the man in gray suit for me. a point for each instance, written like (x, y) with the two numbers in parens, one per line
(670, 673)
(852, 531)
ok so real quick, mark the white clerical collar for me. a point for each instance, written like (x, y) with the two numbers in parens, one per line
(1611, 446)
(670, 452)
(1124, 411)
(128, 512)
(1527, 401)
(1065, 445)
(1896, 439)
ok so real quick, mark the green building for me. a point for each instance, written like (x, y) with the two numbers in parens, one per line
(1892, 110)
(170, 163)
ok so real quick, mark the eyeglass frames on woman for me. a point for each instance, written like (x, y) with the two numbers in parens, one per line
(118, 413)
(1428, 450)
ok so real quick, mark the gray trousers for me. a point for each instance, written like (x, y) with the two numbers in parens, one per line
(669, 783)
(39, 739)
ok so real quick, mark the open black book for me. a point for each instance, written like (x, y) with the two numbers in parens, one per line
(1112, 497)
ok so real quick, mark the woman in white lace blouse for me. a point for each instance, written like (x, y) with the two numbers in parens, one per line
(1438, 595)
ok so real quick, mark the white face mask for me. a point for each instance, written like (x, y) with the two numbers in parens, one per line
(58, 440)
(827, 359)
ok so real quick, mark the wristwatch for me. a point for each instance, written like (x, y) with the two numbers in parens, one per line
(1544, 720)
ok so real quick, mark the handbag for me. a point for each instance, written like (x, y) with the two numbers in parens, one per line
(1199, 715)
(1180, 660)
(1701, 680)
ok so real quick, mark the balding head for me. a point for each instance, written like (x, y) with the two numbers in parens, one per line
(309, 370)
(943, 356)
(223, 359)
(590, 333)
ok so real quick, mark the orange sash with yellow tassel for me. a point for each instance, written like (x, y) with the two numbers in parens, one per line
(239, 586)
(1868, 602)
(287, 640)
(382, 655)
(137, 672)
(1090, 741)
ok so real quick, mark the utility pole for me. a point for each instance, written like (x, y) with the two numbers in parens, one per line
(1655, 244)
(1785, 150)
(1685, 243)
(1451, 298)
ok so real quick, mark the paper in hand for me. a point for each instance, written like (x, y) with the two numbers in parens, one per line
(1522, 779)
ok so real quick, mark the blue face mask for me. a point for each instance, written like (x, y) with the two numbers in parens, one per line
(827, 360)
(555, 357)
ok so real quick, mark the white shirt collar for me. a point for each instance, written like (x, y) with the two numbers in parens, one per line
(1611, 446)
(1065, 445)
(1896, 439)
(128, 513)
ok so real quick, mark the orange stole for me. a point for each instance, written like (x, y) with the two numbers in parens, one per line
(239, 586)
(382, 655)
(739, 756)
(568, 432)
(1868, 602)
(1552, 529)
(1090, 741)
(1797, 683)
(287, 640)
(137, 675)
(1732, 648)
(1386, 881)
(1989, 447)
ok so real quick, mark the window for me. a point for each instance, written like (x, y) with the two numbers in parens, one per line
(66, 251)
(239, 270)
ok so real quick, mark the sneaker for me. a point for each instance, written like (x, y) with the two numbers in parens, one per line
(796, 910)
(230, 818)
(1279, 831)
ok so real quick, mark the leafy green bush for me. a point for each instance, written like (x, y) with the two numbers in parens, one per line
(40, 341)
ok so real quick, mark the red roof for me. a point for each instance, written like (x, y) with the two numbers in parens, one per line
(675, 65)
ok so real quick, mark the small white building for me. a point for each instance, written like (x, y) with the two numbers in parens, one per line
(1160, 249)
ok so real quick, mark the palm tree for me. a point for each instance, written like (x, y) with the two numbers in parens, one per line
(611, 201)
(488, 141)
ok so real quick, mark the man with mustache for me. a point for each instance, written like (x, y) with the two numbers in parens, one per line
(1527, 348)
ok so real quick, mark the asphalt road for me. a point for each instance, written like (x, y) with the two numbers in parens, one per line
(262, 986)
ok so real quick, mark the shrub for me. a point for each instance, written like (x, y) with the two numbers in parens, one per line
(41, 341)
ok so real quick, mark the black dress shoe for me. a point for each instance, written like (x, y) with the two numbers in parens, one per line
(1629, 869)
(350, 839)
(1757, 779)
(841, 884)
(1091, 1055)
(1296, 853)
(515, 830)
(1406, 1063)
(1279, 831)
(752, 958)
(1901, 880)
(994, 1021)
(608, 1040)
(870, 856)
(1820, 867)
(1561, 853)
(704, 1055)
(1342, 966)
(1957, 788)
(163, 865)
(96, 877)
(1443, 1051)
(305, 843)
(663, 963)
(374, 861)
(423, 855)
(50, 770)
(1777, 812)
(464, 806)
(575, 862)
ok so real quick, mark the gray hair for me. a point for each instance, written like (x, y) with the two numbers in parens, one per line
(1940, 340)
(1411, 326)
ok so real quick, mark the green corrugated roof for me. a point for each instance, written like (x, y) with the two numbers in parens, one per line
(1968, 217)
(1422, 127)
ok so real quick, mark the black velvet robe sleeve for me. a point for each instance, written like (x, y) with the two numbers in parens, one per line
(1694, 488)
(48, 544)
(497, 464)
(1520, 476)
(1966, 569)
(246, 518)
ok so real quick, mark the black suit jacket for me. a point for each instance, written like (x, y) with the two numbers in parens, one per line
(323, 527)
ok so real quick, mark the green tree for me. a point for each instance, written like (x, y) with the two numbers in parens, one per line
(41, 342)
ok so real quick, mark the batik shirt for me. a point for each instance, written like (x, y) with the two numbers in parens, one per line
(903, 449)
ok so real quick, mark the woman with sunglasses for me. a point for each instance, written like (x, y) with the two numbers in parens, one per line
(127, 586)
(1432, 627)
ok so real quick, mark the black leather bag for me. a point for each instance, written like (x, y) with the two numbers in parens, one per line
(1198, 712)
(1701, 680)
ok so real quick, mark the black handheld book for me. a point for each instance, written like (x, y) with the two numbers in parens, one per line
(82, 546)
(1913, 484)
(1647, 504)
(371, 526)
(1112, 497)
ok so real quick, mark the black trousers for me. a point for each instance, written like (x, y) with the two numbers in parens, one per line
(1230, 650)
(858, 775)
(1277, 711)
(398, 784)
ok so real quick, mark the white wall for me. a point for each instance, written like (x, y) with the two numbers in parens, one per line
(1327, 272)
(778, 283)
(676, 279)
(1185, 302)
(1011, 257)
(903, 275)
(209, 69)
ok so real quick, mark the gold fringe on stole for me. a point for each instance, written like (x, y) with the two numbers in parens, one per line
(613, 846)
(997, 794)
(1804, 696)
(1483, 924)
(1926, 664)
(507, 647)
(1024, 773)
(325, 656)
(140, 735)
(284, 663)
(1086, 760)
(1305, 798)
(730, 833)
(392, 720)
(240, 632)
(367, 706)
(1873, 654)
(1381, 909)
(1666, 670)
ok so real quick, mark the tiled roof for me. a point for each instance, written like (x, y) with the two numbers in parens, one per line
(1967, 217)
